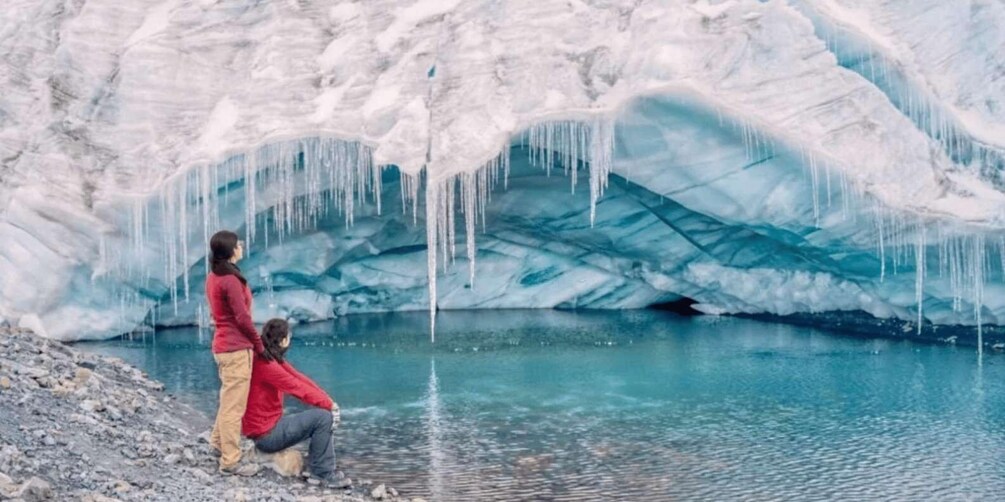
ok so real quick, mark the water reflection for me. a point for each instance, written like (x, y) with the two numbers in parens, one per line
(630, 405)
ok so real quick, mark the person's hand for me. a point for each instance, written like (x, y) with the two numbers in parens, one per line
(336, 415)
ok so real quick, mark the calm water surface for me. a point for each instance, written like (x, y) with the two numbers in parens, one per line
(634, 405)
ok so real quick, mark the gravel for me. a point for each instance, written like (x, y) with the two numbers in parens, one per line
(75, 426)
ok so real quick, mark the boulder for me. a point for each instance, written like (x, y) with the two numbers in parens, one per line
(35, 489)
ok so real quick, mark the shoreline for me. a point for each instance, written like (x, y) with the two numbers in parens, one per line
(78, 426)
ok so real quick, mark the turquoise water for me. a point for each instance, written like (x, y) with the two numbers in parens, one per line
(634, 405)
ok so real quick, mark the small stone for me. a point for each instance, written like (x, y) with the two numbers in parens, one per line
(4, 383)
(48, 441)
(418, 499)
(237, 495)
(122, 486)
(113, 413)
(34, 489)
(203, 476)
(172, 459)
(392, 491)
(81, 376)
(96, 497)
(92, 405)
(379, 492)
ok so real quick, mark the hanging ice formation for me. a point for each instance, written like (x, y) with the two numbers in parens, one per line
(287, 187)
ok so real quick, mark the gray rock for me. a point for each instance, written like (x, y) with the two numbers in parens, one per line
(34, 489)
(202, 475)
(113, 413)
(172, 459)
(379, 492)
(92, 405)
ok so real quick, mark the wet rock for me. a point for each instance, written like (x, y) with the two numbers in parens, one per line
(379, 492)
(392, 491)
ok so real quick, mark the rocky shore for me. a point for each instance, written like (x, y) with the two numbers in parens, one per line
(75, 426)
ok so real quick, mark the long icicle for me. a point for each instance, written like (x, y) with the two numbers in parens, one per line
(432, 217)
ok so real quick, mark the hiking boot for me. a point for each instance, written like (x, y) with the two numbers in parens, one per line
(241, 469)
(336, 480)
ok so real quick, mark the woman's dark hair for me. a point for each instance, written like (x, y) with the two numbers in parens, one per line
(221, 247)
(273, 334)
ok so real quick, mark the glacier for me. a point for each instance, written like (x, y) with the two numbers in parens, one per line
(778, 157)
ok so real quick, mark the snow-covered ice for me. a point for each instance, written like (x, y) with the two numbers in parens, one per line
(779, 156)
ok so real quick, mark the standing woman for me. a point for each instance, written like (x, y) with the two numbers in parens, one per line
(233, 342)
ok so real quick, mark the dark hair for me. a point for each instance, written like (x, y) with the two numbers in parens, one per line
(273, 334)
(221, 247)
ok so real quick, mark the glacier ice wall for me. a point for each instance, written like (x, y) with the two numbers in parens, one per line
(774, 157)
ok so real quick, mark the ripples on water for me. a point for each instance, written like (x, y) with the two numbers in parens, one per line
(635, 405)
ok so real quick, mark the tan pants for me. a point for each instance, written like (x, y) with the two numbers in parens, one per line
(235, 380)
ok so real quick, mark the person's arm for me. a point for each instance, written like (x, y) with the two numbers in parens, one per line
(286, 382)
(234, 291)
(303, 378)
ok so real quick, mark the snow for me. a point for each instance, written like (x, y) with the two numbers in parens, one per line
(847, 126)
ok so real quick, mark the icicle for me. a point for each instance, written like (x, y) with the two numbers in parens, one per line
(882, 248)
(469, 199)
(432, 229)
(1001, 255)
(815, 184)
(978, 293)
(919, 274)
(601, 159)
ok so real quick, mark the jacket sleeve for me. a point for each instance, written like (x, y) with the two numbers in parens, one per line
(280, 378)
(303, 378)
(234, 291)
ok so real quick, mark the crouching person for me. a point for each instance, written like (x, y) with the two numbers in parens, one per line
(272, 377)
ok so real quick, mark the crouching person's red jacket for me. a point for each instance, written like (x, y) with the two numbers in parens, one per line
(270, 381)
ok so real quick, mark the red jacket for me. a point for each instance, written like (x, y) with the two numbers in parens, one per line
(230, 304)
(269, 382)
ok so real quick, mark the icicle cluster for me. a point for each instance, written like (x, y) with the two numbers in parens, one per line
(917, 105)
(572, 144)
(287, 187)
(441, 203)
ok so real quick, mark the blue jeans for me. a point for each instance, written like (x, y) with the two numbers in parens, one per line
(315, 425)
